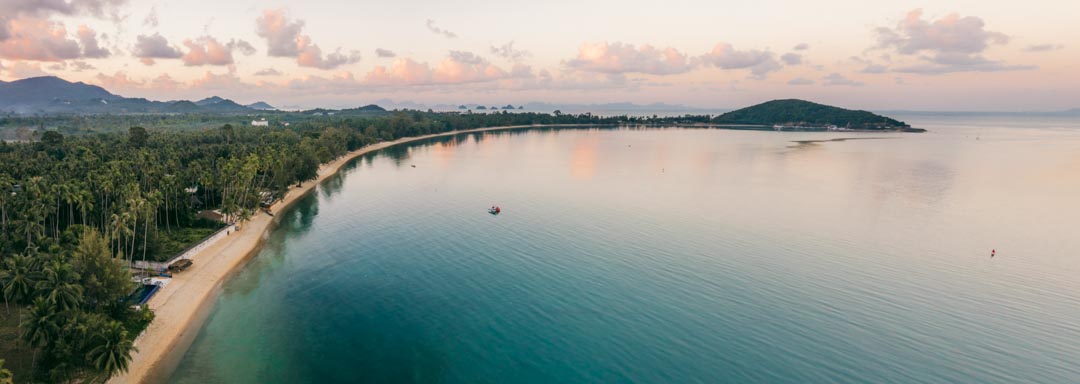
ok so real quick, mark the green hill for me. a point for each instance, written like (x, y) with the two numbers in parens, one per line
(793, 112)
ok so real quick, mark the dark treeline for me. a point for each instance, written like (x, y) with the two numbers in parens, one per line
(76, 209)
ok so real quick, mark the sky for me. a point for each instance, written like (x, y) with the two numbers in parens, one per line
(881, 55)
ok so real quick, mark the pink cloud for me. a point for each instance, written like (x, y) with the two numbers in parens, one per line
(38, 40)
(118, 82)
(457, 68)
(625, 58)
(22, 70)
(207, 50)
(402, 71)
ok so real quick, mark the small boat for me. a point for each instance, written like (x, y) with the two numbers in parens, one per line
(495, 210)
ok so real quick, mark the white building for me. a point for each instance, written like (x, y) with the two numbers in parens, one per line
(260, 123)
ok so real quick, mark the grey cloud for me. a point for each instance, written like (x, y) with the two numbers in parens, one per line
(65, 7)
(90, 46)
(384, 53)
(151, 19)
(467, 57)
(74, 66)
(1043, 47)
(952, 33)
(508, 52)
(836, 79)
(760, 63)
(949, 44)
(242, 46)
(874, 68)
(801, 47)
(791, 58)
(800, 81)
(284, 39)
(331, 61)
(155, 47)
(950, 63)
(268, 72)
(431, 27)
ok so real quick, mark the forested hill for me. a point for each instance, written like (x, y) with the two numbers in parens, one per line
(805, 113)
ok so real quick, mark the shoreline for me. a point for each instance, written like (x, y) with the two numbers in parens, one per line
(181, 307)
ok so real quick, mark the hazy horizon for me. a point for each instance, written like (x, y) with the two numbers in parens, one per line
(958, 56)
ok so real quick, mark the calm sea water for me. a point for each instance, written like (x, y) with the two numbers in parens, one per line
(673, 256)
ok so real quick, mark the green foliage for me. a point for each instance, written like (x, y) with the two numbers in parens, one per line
(103, 279)
(112, 349)
(5, 375)
(137, 137)
(18, 278)
(807, 113)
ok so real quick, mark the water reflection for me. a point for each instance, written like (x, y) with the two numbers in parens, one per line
(583, 158)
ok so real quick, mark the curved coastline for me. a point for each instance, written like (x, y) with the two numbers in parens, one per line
(183, 305)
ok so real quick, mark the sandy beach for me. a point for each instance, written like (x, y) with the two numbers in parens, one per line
(182, 306)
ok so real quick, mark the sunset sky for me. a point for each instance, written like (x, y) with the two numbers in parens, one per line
(942, 55)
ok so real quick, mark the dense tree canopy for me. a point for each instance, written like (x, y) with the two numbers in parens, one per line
(807, 113)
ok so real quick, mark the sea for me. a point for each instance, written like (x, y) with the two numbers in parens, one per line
(673, 255)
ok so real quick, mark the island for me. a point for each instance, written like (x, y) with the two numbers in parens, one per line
(802, 115)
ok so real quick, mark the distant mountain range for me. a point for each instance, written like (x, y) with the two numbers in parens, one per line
(52, 94)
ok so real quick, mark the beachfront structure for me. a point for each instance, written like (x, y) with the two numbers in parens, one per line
(260, 123)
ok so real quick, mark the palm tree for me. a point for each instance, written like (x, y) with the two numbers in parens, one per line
(60, 286)
(6, 183)
(112, 350)
(18, 278)
(40, 325)
(84, 201)
(119, 228)
(136, 205)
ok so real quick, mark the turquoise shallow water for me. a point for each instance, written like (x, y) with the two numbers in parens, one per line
(671, 256)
